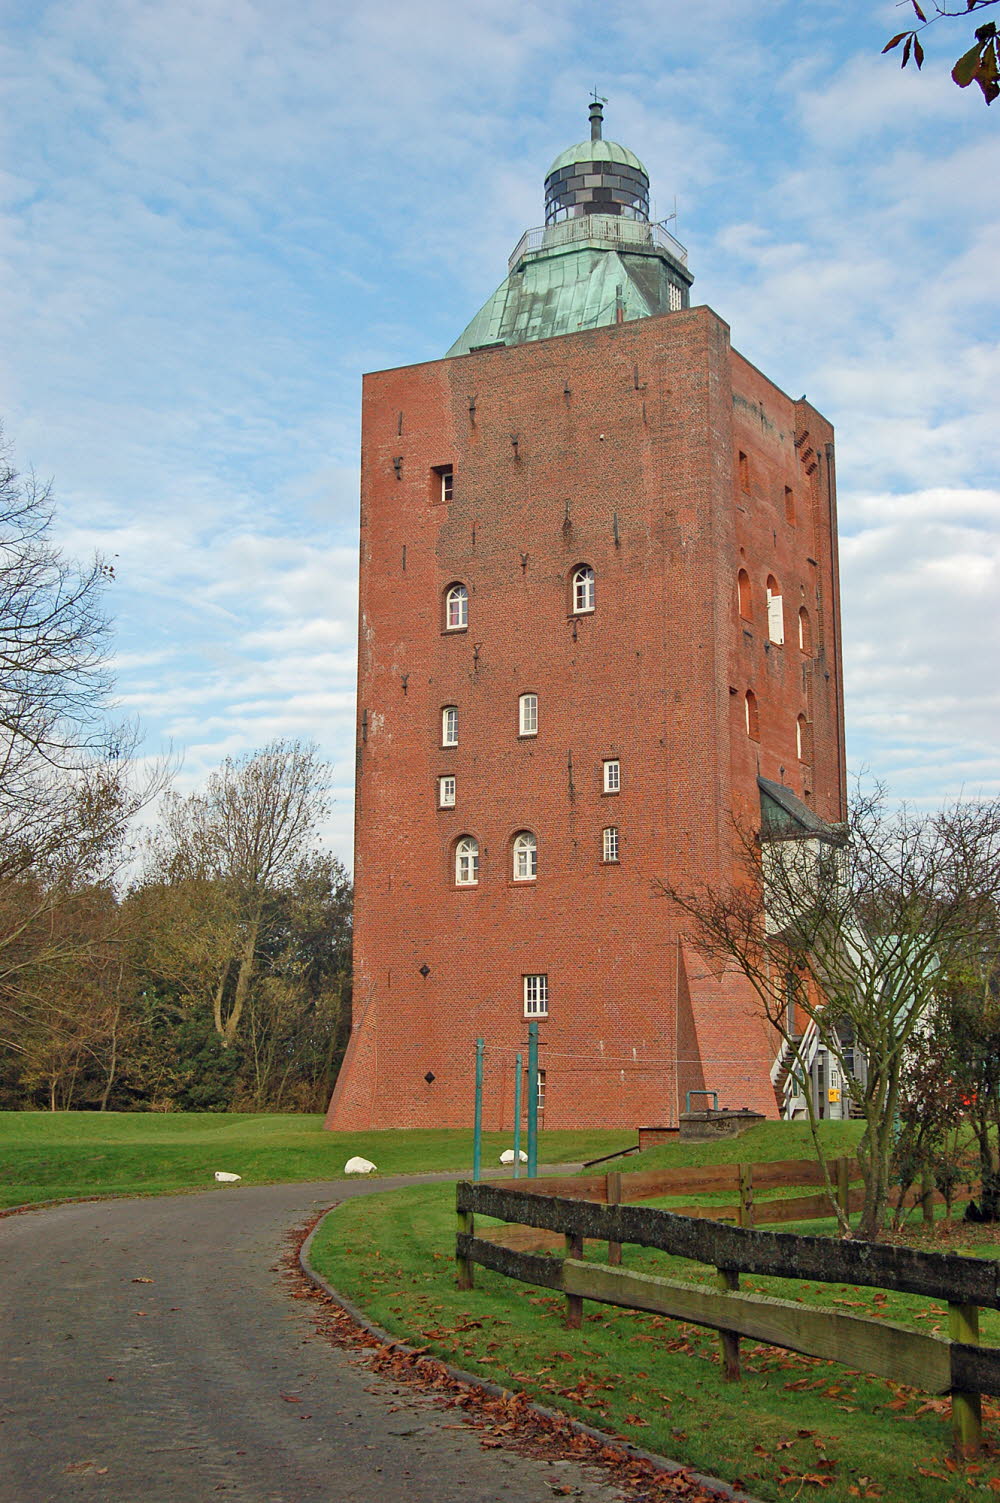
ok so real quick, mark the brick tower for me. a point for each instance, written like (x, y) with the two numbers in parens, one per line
(598, 618)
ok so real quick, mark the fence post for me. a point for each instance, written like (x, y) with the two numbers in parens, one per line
(477, 1126)
(532, 1100)
(966, 1408)
(518, 1064)
(574, 1302)
(745, 1212)
(463, 1265)
(727, 1279)
(613, 1196)
(844, 1185)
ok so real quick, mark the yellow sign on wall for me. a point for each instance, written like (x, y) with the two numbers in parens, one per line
(833, 1094)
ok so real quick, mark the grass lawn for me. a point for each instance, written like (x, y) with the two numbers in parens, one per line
(56, 1155)
(793, 1428)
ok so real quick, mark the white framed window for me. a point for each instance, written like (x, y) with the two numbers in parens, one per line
(805, 632)
(540, 1096)
(609, 844)
(467, 862)
(584, 594)
(752, 716)
(446, 792)
(456, 608)
(525, 857)
(536, 996)
(527, 714)
(612, 775)
(446, 482)
(449, 725)
(775, 612)
(803, 739)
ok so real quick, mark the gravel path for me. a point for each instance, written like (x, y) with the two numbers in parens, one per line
(152, 1355)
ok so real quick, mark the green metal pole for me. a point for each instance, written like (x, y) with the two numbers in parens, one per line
(518, 1066)
(532, 1100)
(477, 1131)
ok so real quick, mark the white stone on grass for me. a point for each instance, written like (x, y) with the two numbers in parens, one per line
(507, 1157)
(227, 1179)
(358, 1165)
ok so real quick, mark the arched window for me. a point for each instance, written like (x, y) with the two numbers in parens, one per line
(775, 612)
(525, 857)
(803, 739)
(805, 632)
(745, 597)
(527, 715)
(456, 608)
(752, 718)
(449, 725)
(466, 862)
(583, 589)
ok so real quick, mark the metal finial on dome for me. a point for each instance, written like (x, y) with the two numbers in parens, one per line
(597, 116)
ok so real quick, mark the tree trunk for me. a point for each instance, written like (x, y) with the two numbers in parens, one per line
(243, 980)
(113, 1062)
(217, 1002)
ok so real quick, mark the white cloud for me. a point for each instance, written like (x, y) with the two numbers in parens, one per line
(219, 217)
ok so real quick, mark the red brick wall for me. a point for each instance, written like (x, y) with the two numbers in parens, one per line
(631, 430)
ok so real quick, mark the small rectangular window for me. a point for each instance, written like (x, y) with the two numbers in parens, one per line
(744, 467)
(449, 726)
(540, 1096)
(610, 843)
(536, 996)
(528, 718)
(789, 506)
(442, 482)
(612, 776)
(446, 793)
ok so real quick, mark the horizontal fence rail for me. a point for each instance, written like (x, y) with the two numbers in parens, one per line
(956, 1364)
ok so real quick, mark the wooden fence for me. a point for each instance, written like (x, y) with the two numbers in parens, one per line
(743, 1180)
(955, 1364)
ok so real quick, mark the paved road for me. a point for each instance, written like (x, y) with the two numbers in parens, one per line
(171, 1391)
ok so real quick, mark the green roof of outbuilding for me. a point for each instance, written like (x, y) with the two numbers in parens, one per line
(596, 151)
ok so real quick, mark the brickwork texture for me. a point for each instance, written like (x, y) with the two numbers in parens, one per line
(655, 455)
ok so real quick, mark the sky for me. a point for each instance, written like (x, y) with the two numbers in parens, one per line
(216, 216)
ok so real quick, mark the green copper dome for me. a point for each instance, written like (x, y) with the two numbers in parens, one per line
(596, 261)
(596, 151)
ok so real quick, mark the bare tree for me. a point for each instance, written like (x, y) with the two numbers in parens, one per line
(247, 834)
(858, 927)
(68, 789)
(53, 679)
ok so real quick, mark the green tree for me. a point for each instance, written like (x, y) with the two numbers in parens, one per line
(873, 920)
(241, 844)
(298, 1014)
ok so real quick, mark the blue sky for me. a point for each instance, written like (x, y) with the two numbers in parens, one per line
(217, 216)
